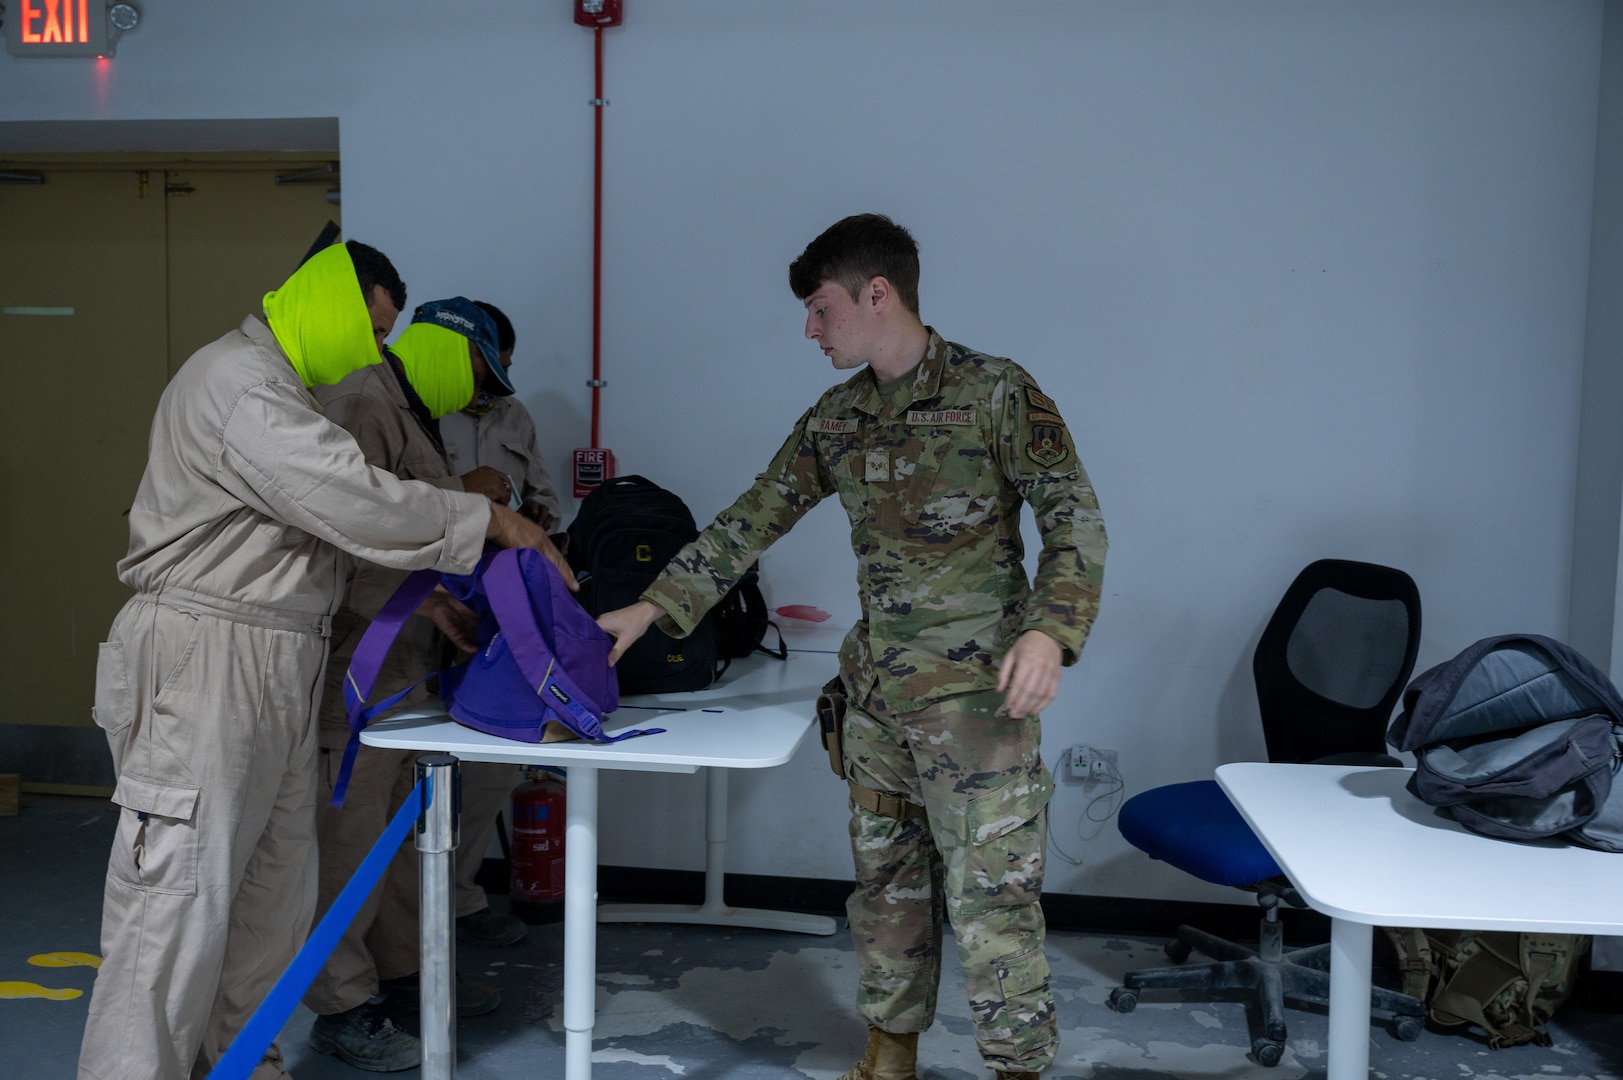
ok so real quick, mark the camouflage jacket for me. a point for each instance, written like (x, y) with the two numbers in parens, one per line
(933, 493)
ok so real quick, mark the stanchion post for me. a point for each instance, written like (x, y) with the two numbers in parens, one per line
(436, 846)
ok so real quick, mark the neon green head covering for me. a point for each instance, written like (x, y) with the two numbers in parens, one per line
(320, 319)
(438, 366)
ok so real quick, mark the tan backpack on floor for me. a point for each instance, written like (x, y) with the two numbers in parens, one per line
(1507, 984)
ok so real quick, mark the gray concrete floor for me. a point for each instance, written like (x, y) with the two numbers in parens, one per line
(701, 1003)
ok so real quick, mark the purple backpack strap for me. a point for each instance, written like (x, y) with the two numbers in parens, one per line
(368, 661)
(509, 599)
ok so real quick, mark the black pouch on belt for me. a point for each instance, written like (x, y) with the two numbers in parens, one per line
(831, 723)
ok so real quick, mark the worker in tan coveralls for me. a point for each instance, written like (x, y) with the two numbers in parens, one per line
(208, 684)
(494, 433)
(496, 430)
(393, 410)
(931, 451)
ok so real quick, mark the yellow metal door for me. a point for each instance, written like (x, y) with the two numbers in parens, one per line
(110, 277)
(233, 237)
(83, 358)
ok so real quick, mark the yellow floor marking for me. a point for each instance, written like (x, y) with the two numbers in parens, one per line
(66, 959)
(35, 990)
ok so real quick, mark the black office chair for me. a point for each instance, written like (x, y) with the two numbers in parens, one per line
(1332, 662)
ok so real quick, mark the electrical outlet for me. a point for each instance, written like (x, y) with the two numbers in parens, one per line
(1089, 764)
(1080, 762)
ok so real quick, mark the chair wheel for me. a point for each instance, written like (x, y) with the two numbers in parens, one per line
(1407, 1028)
(1267, 1051)
(1123, 1000)
(1177, 950)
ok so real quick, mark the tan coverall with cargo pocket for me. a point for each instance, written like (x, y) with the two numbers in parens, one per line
(383, 941)
(207, 688)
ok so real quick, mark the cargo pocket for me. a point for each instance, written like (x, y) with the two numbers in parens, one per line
(114, 708)
(155, 848)
(1003, 861)
(520, 452)
(1028, 1004)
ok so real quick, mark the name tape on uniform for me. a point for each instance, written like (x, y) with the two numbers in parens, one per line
(824, 425)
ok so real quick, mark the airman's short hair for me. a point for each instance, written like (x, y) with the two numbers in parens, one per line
(855, 250)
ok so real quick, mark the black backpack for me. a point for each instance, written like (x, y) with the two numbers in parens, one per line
(627, 529)
(742, 621)
(1518, 738)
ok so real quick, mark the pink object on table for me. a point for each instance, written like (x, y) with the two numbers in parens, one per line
(803, 611)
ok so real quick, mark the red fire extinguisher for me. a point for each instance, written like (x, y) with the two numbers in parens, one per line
(537, 889)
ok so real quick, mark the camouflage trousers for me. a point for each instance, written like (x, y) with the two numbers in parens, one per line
(976, 858)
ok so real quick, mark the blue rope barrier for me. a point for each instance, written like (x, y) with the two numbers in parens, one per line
(248, 1048)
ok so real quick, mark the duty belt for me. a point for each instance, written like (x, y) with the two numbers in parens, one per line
(184, 599)
(885, 803)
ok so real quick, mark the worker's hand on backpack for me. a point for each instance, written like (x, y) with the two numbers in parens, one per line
(513, 530)
(625, 625)
(455, 621)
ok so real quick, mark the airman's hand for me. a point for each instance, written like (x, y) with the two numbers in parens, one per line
(1029, 675)
(625, 625)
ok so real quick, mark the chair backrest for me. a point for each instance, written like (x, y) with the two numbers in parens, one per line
(1334, 659)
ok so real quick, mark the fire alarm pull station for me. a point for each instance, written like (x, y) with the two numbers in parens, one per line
(597, 12)
(592, 466)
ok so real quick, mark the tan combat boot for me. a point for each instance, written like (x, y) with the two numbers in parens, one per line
(888, 1057)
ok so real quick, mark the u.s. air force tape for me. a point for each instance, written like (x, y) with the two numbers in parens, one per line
(942, 417)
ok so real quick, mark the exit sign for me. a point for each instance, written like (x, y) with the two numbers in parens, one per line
(56, 27)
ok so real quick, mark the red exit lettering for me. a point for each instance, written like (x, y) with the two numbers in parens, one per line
(60, 25)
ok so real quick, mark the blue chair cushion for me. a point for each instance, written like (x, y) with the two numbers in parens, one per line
(1195, 828)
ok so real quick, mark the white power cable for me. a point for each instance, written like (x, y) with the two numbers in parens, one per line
(1099, 809)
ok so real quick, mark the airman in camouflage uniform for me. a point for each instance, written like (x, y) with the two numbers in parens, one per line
(931, 450)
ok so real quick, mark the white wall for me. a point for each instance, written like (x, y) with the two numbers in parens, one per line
(1307, 277)
(1595, 599)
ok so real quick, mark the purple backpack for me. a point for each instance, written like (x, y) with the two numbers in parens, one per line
(541, 658)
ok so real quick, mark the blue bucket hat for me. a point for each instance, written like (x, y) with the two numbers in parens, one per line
(466, 318)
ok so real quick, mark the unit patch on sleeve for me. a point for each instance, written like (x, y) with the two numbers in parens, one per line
(941, 417)
(1047, 446)
(824, 425)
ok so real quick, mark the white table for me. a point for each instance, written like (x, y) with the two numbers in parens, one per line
(755, 718)
(1350, 838)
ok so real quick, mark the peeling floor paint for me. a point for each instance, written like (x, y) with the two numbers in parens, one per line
(708, 1003)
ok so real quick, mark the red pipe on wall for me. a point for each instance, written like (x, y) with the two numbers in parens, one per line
(597, 243)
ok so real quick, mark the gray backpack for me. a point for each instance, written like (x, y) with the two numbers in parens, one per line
(1518, 738)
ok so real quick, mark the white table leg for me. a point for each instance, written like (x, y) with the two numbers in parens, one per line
(436, 847)
(714, 911)
(580, 921)
(1351, 958)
